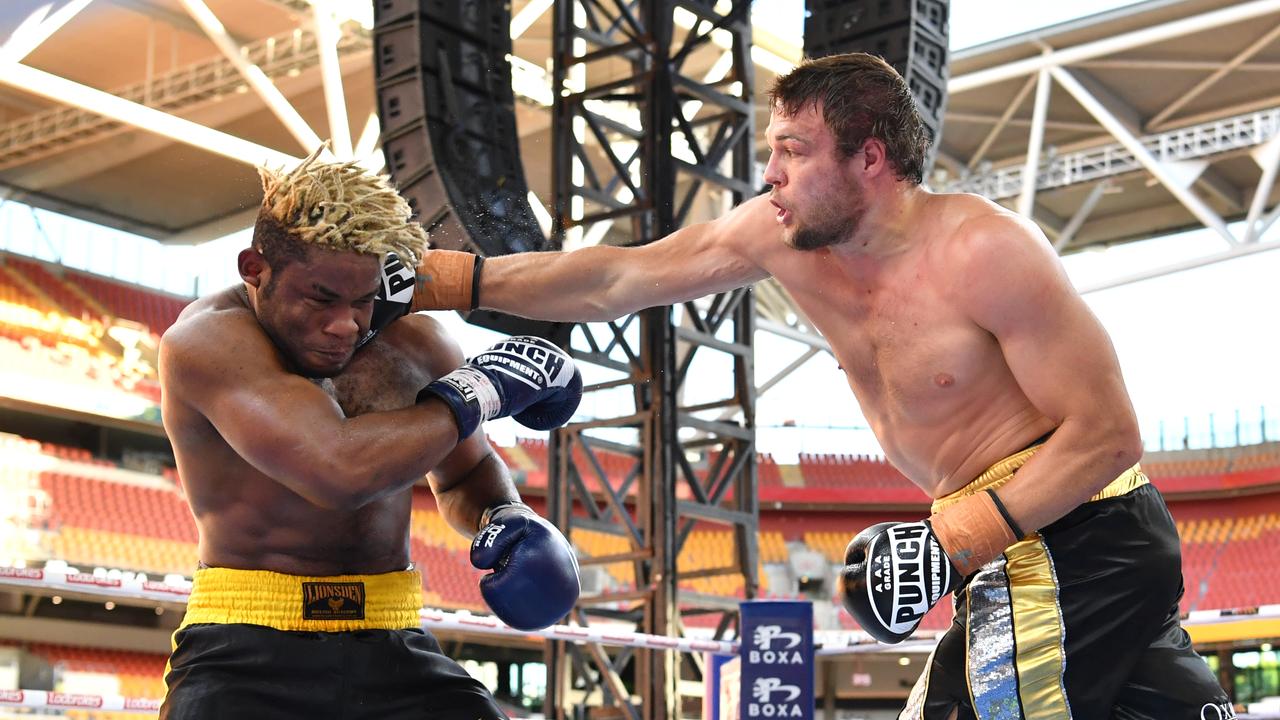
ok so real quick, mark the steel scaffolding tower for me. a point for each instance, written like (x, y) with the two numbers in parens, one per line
(625, 93)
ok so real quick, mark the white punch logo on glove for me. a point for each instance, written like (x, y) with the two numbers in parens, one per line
(531, 360)
(916, 576)
(397, 280)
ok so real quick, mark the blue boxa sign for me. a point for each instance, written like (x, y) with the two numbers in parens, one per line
(777, 660)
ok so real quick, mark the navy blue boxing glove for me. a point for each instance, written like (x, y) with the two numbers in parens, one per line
(525, 377)
(534, 581)
(893, 574)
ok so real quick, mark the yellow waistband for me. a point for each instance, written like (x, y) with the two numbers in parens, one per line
(339, 603)
(1000, 473)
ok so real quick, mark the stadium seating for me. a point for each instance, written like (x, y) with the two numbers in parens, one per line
(151, 308)
(595, 544)
(52, 330)
(136, 674)
(31, 290)
(1230, 556)
(60, 292)
(1231, 545)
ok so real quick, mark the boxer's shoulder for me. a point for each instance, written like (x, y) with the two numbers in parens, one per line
(214, 343)
(227, 300)
(213, 320)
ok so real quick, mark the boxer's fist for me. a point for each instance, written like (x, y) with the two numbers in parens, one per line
(893, 574)
(534, 581)
(525, 377)
(395, 295)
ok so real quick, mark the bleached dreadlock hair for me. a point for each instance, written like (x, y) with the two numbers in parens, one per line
(338, 206)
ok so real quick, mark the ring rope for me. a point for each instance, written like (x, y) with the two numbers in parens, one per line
(829, 642)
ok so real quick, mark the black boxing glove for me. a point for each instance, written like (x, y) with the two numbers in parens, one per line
(894, 573)
(394, 298)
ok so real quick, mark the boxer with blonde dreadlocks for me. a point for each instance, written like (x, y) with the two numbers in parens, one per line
(303, 405)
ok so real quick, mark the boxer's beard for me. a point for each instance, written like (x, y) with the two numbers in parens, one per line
(835, 219)
(814, 236)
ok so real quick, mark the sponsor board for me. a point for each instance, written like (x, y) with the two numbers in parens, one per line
(777, 660)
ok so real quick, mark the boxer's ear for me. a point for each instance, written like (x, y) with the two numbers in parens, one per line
(252, 266)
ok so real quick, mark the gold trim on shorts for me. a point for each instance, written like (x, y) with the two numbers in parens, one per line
(1002, 471)
(338, 603)
(1038, 630)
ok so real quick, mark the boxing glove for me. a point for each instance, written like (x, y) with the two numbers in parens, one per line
(395, 295)
(525, 377)
(534, 581)
(894, 573)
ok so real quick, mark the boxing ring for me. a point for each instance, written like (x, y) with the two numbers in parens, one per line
(163, 594)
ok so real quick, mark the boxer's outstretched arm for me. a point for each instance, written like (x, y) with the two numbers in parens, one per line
(286, 426)
(1008, 279)
(604, 283)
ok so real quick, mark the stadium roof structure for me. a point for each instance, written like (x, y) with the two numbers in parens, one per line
(1154, 118)
(147, 115)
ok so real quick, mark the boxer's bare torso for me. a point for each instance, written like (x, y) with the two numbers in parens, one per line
(951, 317)
(248, 520)
(934, 385)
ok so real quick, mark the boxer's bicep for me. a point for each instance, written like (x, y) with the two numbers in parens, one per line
(282, 424)
(1062, 361)
(1057, 350)
(467, 481)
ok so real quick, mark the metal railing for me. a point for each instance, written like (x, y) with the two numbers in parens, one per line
(1092, 164)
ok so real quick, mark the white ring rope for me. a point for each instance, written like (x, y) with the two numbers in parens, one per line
(839, 642)
(831, 642)
(74, 701)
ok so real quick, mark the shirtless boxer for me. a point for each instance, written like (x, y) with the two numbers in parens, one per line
(972, 357)
(303, 406)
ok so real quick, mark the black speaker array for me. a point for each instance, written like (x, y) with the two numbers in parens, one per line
(911, 35)
(449, 128)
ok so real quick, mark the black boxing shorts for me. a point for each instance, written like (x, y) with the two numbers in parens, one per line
(1078, 621)
(258, 644)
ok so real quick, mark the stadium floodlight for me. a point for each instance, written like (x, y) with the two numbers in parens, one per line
(59, 89)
